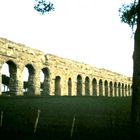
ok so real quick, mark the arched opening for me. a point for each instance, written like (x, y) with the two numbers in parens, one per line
(69, 87)
(87, 86)
(122, 89)
(106, 87)
(41, 82)
(119, 89)
(9, 78)
(111, 88)
(5, 79)
(57, 86)
(125, 94)
(25, 80)
(115, 89)
(94, 87)
(28, 83)
(79, 85)
(45, 82)
(100, 88)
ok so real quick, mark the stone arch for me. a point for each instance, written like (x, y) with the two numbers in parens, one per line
(10, 80)
(123, 89)
(57, 85)
(94, 87)
(106, 87)
(115, 89)
(69, 87)
(87, 86)
(111, 88)
(100, 88)
(45, 85)
(29, 84)
(119, 89)
(79, 85)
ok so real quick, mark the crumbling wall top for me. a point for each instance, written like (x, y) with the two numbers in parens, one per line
(58, 61)
(7, 44)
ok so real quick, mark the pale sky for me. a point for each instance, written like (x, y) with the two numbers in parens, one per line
(87, 31)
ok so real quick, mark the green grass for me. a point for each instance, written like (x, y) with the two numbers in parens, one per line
(96, 118)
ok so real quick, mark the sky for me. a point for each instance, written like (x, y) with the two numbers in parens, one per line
(88, 31)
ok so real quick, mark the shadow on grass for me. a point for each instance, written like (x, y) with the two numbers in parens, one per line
(95, 118)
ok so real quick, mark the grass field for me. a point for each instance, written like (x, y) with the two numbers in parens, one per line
(96, 118)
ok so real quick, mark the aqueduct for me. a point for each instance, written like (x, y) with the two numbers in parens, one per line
(60, 76)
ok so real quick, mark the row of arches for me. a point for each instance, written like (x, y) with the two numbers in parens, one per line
(10, 82)
(94, 88)
(86, 86)
(100, 88)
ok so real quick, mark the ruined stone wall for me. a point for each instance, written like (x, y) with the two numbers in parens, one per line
(61, 76)
(18, 56)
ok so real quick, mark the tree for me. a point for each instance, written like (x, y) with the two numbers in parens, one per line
(43, 7)
(130, 14)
